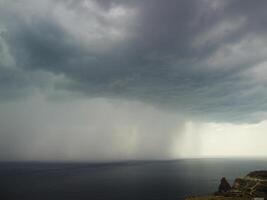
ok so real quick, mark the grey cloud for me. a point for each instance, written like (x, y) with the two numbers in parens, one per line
(151, 56)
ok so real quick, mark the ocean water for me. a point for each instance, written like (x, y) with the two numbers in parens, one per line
(154, 180)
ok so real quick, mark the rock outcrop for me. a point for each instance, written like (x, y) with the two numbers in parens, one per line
(224, 187)
(252, 186)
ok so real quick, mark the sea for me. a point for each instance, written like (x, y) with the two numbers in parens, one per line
(129, 180)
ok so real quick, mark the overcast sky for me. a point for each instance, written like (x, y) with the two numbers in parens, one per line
(132, 79)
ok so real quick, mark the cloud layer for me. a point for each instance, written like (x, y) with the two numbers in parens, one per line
(133, 73)
(200, 57)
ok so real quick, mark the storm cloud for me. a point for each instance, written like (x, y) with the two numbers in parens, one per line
(202, 60)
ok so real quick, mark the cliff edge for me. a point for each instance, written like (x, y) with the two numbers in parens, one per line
(252, 186)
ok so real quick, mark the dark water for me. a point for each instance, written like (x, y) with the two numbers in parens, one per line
(119, 181)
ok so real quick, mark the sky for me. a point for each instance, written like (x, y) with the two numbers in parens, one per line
(106, 80)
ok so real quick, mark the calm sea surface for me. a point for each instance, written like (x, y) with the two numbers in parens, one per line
(167, 180)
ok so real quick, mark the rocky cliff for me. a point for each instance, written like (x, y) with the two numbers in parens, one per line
(253, 185)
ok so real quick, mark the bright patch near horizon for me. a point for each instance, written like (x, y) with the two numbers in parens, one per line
(224, 140)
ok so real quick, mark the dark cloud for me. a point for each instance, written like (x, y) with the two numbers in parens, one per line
(186, 56)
